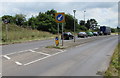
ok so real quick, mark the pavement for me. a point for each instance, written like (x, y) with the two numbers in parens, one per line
(33, 59)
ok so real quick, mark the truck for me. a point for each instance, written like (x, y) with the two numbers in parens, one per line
(105, 30)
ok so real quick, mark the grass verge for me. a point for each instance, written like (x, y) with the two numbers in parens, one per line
(17, 34)
(114, 67)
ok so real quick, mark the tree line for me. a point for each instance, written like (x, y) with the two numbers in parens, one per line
(46, 22)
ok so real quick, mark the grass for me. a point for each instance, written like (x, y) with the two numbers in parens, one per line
(20, 34)
(114, 66)
(56, 47)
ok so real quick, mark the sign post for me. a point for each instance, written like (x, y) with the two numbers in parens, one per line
(60, 18)
(58, 30)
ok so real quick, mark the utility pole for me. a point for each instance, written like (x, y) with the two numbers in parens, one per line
(74, 24)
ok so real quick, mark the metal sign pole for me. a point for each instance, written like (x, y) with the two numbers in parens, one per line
(58, 30)
(58, 33)
(62, 34)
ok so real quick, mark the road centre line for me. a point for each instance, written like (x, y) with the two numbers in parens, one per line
(6, 57)
(40, 52)
(42, 58)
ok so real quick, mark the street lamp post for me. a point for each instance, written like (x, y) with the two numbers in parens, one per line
(84, 15)
(74, 24)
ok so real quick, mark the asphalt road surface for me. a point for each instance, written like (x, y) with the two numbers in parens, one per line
(32, 59)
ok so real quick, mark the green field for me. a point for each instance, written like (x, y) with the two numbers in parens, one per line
(114, 67)
(20, 34)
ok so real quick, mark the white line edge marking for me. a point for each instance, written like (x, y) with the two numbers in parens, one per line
(19, 51)
(7, 57)
(18, 63)
(42, 58)
(40, 52)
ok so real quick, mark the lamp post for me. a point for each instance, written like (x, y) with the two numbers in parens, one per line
(84, 15)
(74, 24)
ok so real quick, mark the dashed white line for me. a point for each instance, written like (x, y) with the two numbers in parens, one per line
(7, 57)
(40, 52)
(18, 63)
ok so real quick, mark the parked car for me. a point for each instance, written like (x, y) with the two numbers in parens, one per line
(67, 36)
(100, 33)
(82, 34)
(95, 33)
(89, 34)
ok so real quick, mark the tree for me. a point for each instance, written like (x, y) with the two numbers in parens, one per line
(82, 22)
(45, 22)
(9, 18)
(51, 12)
(20, 19)
(32, 22)
(113, 30)
(91, 24)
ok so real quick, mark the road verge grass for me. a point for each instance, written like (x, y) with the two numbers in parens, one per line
(17, 34)
(114, 67)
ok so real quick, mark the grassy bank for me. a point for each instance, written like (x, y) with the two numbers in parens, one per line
(20, 34)
(114, 66)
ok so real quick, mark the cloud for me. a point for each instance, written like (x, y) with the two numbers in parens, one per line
(59, 0)
(103, 12)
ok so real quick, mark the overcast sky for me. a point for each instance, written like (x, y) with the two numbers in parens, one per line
(106, 13)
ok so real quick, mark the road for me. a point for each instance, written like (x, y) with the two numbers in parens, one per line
(33, 60)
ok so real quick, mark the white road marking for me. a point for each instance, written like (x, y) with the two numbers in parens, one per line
(62, 50)
(43, 58)
(40, 52)
(19, 51)
(36, 60)
(7, 57)
(18, 63)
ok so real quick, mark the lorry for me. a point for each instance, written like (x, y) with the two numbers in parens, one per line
(105, 30)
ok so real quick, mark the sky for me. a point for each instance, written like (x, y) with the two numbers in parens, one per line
(106, 13)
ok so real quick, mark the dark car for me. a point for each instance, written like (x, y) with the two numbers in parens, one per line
(100, 33)
(67, 36)
(95, 33)
(82, 34)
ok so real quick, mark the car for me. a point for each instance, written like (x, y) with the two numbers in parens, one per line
(100, 33)
(67, 36)
(82, 34)
(95, 33)
(89, 34)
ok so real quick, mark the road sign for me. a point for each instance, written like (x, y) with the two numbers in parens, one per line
(60, 17)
